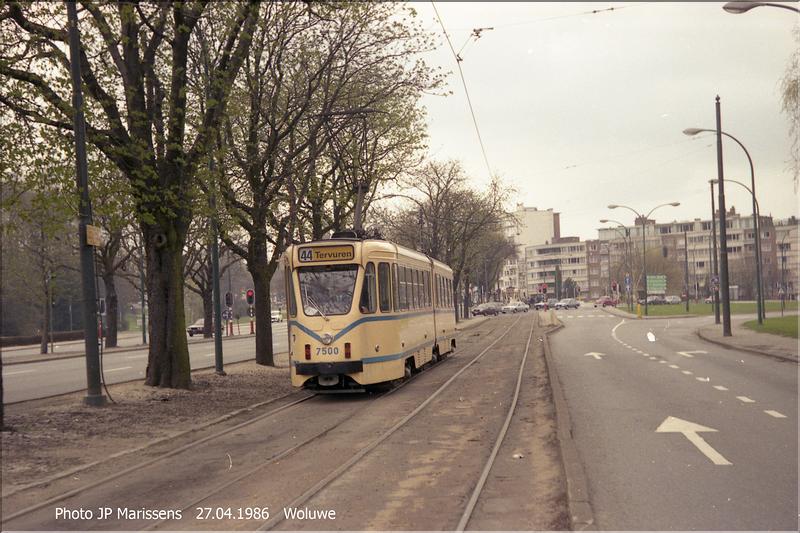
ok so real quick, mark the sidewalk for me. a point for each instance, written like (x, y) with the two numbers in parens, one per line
(742, 338)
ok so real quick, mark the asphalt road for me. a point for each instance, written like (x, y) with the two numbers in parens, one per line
(677, 433)
(28, 381)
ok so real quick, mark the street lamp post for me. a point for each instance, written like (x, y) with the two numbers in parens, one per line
(783, 273)
(626, 240)
(761, 308)
(644, 241)
(756, 219)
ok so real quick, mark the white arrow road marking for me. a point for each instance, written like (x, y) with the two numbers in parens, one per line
(596, 355)
(690, 430)
(776, 414)
(651, 337)
(691, 354)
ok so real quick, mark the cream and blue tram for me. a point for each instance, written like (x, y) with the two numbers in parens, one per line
(363, 312)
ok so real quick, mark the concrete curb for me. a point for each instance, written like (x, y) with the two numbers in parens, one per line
(580, 506)
(699, 333)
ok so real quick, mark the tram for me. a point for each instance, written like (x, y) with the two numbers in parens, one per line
(364, 311)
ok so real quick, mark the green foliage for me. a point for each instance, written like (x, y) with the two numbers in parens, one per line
(785, 326)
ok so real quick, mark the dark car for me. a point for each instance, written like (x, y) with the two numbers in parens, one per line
(604, 301)
(486, 309)
(550, 303)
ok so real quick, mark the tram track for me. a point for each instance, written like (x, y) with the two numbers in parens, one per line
(316, 437)
(150, 462)
(272, 459)
(301, 500)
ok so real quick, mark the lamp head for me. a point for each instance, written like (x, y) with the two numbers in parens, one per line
(692, 131)
(675, 204)
(603, 221)
(613, 206)
(740, 7)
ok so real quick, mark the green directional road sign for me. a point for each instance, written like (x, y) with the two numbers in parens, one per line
(656, 284)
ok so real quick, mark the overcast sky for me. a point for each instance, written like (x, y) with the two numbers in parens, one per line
(578, 111)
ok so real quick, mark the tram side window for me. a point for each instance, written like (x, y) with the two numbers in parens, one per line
(449, 292)
(395, 288)
(367, 304)
(427, 287)
(412, 286)
(438, 290)
(290, 293)
(403, 293)
(384, 288)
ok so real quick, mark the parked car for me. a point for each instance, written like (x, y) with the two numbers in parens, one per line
(276, 316)
(568, 303)
(196, 328)
(673, 299)
(550, 303)
(486, 309)
(604, 301)
(656, 300)
(709, 300)
(515, 307)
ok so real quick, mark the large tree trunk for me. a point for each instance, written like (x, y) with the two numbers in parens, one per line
(168, 357)
(112, 310)
(262, 272)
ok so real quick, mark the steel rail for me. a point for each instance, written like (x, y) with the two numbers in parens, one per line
(473, 500)
(116, 475)
(280, 455)
(327, 480)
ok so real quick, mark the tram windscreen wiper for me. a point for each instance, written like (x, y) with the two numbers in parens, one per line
(315, 305)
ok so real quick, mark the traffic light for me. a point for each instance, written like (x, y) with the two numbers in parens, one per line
(228, 299)
(251, 296)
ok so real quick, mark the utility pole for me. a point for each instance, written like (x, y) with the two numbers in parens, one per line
(215, 289)
(686, 269)
(723, 234)
(94, 394)
(141, 290)
(715, 274)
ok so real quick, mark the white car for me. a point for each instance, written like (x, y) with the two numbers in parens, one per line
(515, 307)
(276, 316)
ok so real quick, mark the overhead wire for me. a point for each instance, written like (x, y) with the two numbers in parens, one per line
(466, 91)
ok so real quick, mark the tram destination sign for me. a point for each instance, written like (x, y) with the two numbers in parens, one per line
(317, 254)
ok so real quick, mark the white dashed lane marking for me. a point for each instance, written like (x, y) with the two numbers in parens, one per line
(775, 414)
(720, 387)
(687, 372)
(116, 369)
(745, 399)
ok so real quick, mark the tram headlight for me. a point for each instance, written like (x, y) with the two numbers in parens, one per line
(327, 339)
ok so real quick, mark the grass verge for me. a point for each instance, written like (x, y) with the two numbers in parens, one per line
(785, 326)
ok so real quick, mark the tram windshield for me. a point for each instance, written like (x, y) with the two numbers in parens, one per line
(327, 290)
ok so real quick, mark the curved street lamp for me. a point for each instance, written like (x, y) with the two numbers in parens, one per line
(625, 239)
(762, 310)
(756, 220)
(644, 218)
(743, 7)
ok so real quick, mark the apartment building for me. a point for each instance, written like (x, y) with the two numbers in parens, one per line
(562, 259)
(788, 258)
(525, 227)
(691, 241)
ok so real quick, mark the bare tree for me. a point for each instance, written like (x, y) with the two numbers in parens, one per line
(134, 64)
